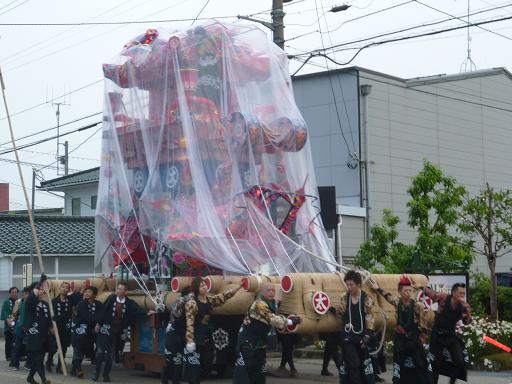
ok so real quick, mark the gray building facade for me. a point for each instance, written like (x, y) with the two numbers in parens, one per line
(461, 122)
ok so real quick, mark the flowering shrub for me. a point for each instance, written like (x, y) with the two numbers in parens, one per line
(480, 351)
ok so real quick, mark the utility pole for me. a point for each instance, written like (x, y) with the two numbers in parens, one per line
(277, 23)
(57, 114)
(64, 160)
(32, 209)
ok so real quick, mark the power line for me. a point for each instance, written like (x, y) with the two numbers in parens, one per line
(81, 129)
(30, 164)
(199, 13)
(427, 24)
(8, 4)
(41, 44)
(114, 22)
(53, 99)
(334, 95)
(19, 5)
(53, 154)
(76, 43)
(371, 14)
(52, 128)
(464, 21)
(317, 53)
(74, 149)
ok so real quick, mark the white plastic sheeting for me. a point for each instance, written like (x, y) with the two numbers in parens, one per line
(204, 150)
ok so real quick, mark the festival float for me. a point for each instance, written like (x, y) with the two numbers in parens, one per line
(206, 169)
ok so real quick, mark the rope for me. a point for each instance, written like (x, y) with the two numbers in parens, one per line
(33, 227)
(145, 290)
(383, 334)
(147, 253)
(275, 229)
(239, 250)
(133, 262)
(262, 242)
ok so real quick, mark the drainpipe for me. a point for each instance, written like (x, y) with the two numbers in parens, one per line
(365, 90)
(339, 253)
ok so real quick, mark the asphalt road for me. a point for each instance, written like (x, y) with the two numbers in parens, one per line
(309, 372)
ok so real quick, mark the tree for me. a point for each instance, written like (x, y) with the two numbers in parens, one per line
(487, 221)
(383, 248)
(434, 211)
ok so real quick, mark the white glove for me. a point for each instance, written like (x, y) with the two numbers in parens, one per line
(191, 347)
(289, 322)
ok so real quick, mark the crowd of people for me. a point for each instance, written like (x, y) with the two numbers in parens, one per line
(98, 331)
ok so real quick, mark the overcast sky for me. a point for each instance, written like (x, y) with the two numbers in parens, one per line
(41, 62)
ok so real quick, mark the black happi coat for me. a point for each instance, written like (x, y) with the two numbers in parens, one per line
(443, 332)
(367, 328)
(37, 323)
(84, 322)
(63, 314)
(130, 311)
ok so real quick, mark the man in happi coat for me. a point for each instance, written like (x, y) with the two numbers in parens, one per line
(37, 326)
(250, 366)
(357, 311)
(452, 309)
(82, 328)
(63, 306)
(117, 314)
(410, 363)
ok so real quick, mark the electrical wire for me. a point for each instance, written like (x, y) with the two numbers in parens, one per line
(18, 5)
(317, 52)
(428, 24)
(74, 149)
(102, 34)
(81, 129)
(42, 44)
(8, 4)
(53, 128)
(464, 21)
(126, 22)
(29, 164)
(199, 13)
(334, 95)
(53, 99)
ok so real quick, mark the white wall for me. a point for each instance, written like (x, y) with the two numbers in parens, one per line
(5, 272)
(84, 193)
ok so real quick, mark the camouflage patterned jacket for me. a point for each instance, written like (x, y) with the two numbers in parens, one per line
(198, 314)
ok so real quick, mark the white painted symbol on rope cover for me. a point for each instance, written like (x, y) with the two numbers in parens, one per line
(321, 302)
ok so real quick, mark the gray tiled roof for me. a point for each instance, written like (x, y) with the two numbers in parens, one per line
(68, 235)
(83, 177)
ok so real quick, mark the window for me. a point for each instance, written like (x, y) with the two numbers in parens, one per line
(75, 206)
(94, 199)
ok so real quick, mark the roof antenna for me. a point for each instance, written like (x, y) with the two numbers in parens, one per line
(468, 65)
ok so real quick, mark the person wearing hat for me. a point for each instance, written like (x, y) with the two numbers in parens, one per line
(410, 363)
